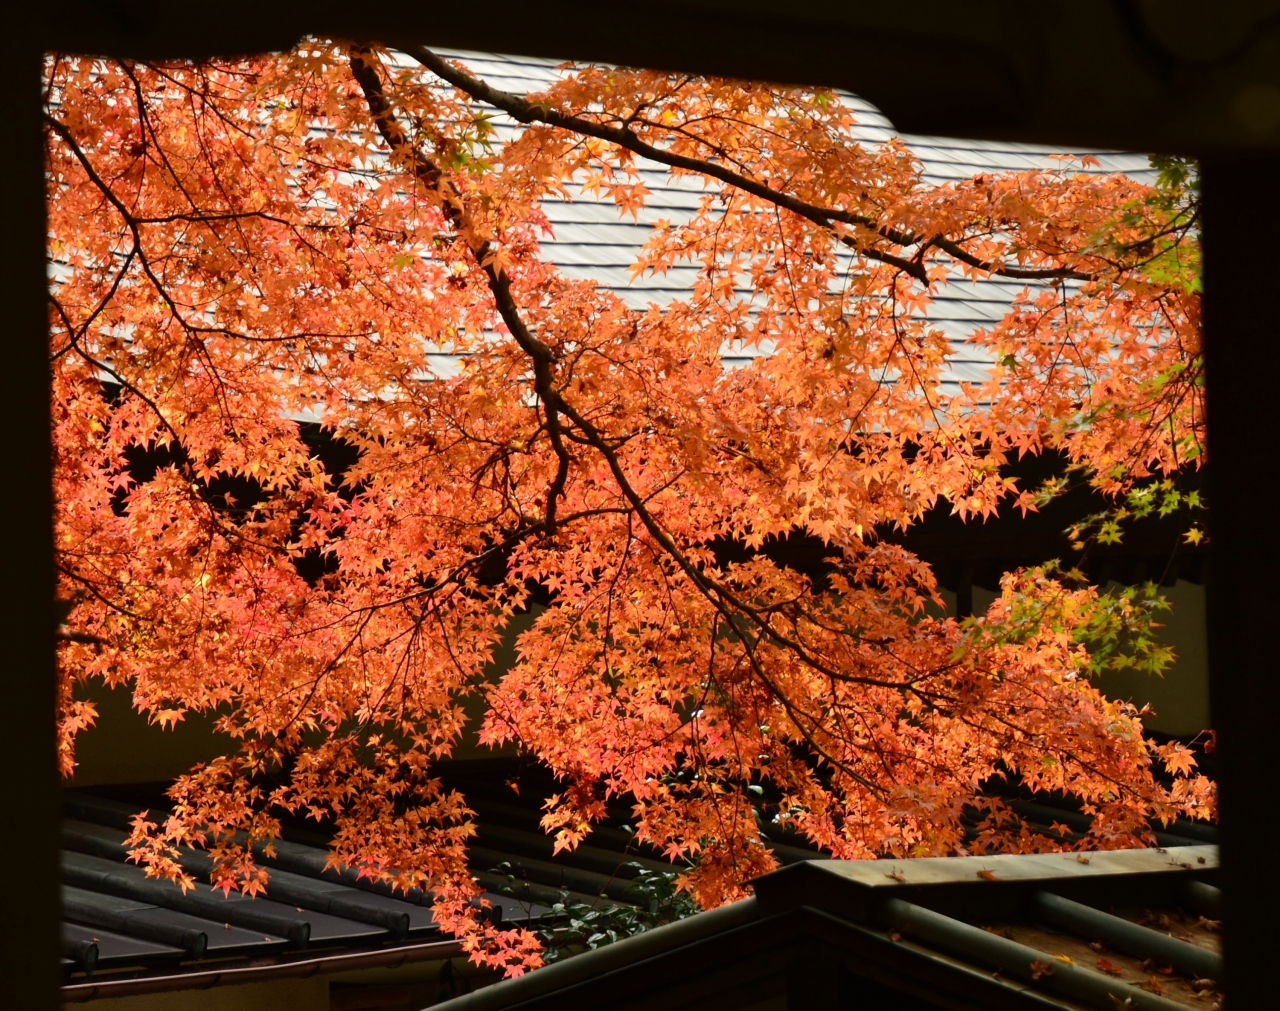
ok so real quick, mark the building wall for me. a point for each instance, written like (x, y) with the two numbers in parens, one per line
(275, 995)
(1179, 699)
(124, 748)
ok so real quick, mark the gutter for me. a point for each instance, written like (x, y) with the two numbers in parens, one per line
(302, 968)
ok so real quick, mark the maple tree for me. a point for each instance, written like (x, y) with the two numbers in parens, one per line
(240, 244)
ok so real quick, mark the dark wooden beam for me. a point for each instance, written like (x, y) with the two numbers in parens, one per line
(28, 779)
(1165, 75)
(1242, 329)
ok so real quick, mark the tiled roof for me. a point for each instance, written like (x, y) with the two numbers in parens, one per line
(143, 923)
(119, 927)
(1134, 929)
(122, 929)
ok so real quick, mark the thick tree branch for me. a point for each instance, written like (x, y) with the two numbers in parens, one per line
(524, 111)
(364, 68)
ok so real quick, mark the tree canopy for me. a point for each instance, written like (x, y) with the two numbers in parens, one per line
(240, 246)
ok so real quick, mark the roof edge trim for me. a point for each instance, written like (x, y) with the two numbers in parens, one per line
(388, 957)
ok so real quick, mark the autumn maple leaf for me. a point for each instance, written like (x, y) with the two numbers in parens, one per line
(331, 426)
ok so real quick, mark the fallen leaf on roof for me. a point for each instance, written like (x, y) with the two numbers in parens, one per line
(1039, 968)
(1153, 985)
(1105, 966)
(1065, 958)
(988, 875)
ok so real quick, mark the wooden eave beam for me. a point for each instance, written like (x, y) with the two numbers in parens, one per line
(1158, 75)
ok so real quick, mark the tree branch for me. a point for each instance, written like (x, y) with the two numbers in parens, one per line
(364, 68)
(524, 111)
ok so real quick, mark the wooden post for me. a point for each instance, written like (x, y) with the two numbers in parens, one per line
(29, 796)
(1242, 336)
